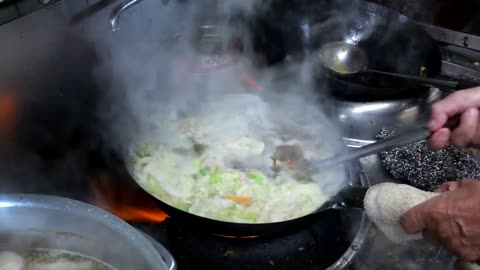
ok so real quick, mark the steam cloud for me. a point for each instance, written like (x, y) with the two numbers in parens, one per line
(155, 82)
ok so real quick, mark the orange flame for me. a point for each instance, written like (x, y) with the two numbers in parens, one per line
(130, 213)
(124, 200)
(8, 113)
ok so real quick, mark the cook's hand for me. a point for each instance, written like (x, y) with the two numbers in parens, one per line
(451, 219)
(464, 102)
(448, 186)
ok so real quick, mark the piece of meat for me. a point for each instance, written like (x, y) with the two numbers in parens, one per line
(290, 157)
(292, 153)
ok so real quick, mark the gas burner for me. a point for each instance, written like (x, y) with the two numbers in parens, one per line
(296, 250)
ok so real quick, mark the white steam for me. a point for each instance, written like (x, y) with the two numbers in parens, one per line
(157, 83)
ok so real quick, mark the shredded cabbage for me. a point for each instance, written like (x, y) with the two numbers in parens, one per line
(190, 184)
(208, 184)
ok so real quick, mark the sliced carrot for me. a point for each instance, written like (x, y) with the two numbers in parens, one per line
(248, 80)
(8, 113)
(239, 199)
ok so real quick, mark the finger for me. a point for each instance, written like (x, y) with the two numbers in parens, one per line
(470, 241)
(438, 116)
(413, 221)
(439, 139)
(476, 137)
(455, 103)
(464, 183)
(448, 186)
(463, 135)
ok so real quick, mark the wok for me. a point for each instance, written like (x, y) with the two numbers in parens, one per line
(349, 196)
(392, 42)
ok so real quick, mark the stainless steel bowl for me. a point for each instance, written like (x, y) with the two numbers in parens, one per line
(41, 221)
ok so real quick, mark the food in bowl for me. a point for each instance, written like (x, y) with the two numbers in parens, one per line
(49, 259)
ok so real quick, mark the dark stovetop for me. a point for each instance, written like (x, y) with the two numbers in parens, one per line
(315, 247)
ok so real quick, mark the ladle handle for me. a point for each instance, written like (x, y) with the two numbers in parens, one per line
(442, 84)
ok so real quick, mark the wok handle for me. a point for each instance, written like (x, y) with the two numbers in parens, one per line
(350, 197)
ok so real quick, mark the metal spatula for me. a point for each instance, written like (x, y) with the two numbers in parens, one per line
(405, 138)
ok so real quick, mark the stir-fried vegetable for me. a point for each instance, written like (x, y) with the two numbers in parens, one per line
(192, 185)
(219, 166)
(239, 199)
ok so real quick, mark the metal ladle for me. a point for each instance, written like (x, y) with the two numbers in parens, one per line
(346, 58)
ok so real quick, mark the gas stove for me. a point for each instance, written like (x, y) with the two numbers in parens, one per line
(317, 245)
(298, 250)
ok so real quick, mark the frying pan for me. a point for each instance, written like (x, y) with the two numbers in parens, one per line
(386, 30)
(392, 42)
(349, 196)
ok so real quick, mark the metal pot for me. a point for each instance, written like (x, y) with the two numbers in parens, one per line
(41, 221)
(304, 26)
